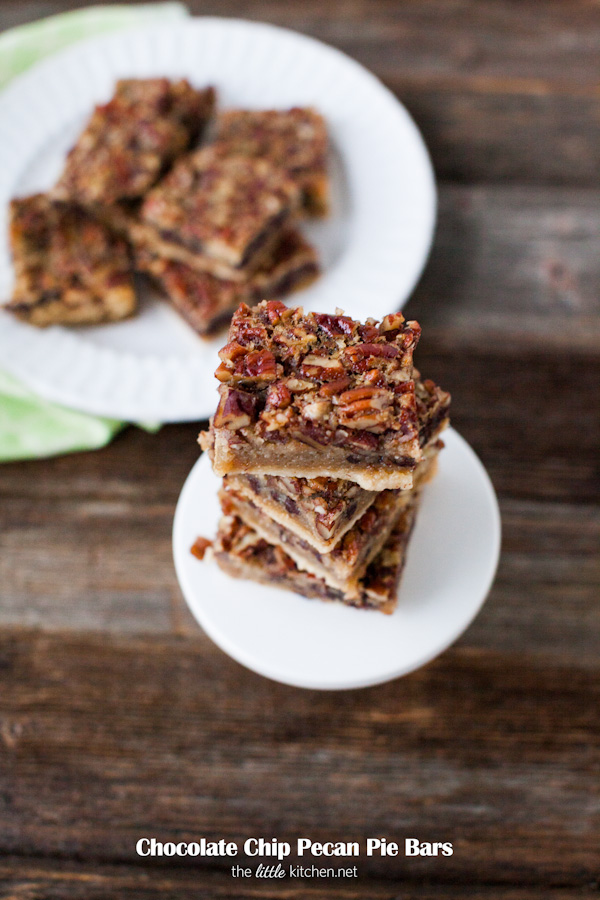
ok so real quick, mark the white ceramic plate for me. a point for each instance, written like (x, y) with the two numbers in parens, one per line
(451, 563)
(373, 247)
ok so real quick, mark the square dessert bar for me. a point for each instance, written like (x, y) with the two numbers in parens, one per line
(317, 395)
(218, 214)
(207, 303)
(69, 268)
(241, 552)
(129, 142)
(345, 565)
(294, 140)
(321, 510)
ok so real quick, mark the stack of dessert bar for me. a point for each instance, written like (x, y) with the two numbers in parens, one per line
(213, 226)
(325, 436)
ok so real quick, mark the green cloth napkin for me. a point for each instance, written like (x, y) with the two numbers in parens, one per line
(31, 427)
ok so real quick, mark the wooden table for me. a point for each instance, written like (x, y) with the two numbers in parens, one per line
(120, 719)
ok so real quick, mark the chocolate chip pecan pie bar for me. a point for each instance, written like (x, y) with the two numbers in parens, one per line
(318, 510)
(130, 141)
(345, 565)
(243, 553)
(70, 269)
(317, 395)
(207, 303)
(294, 140)
(218, 214)
(321, 510)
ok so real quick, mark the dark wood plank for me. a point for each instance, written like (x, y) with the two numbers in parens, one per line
(513, 267)
(32, 879)
(113, 536)
(104, 518)
(498, 95)
(532, 418)
(550, 47)
(544, 602)
(497, 753)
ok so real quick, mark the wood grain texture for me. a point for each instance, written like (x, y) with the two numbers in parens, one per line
(473, 74)
(513, 266)
(491, 750)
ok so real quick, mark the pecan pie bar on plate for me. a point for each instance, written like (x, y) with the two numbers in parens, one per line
(69, 268)
(241, 552)
(207, 302)
(293, 139)
(129, 142)
(218, 214)
(345, 565)
(317, 395)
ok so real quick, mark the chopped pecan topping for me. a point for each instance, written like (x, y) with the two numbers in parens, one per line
(276, 310)
(261, 365)
(334, 325)
(324, 373)
(223, 373)
(317, 410)
(334, 387)
(299, 385)
(368, 332)
(361, 440)
(365, 407)
(278, 396)
(236, 409)
(199, 547)
(375, 377)
(390, 325)
(231, 351)
(368, 351)
(323, 368)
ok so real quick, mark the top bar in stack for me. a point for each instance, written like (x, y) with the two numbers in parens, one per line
(295, 140)
(219, 215)
(317, 395)
(130, 141)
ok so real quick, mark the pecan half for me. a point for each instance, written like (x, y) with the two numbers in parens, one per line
(255, 367)
(360, 356)
(365, 407)
(334, 387)
(334, 324)
(323, 368)
(275, 310)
